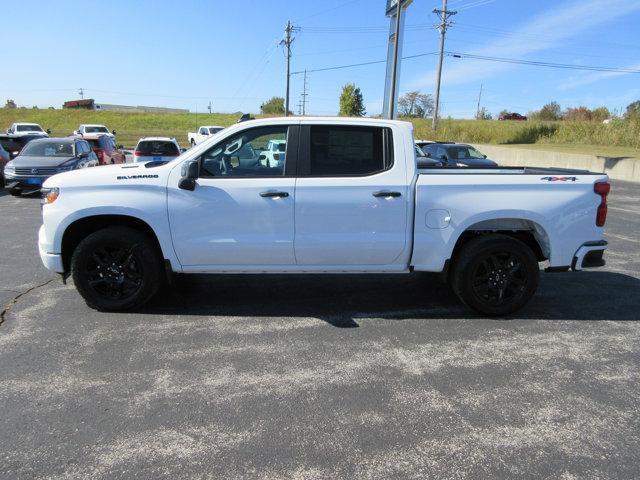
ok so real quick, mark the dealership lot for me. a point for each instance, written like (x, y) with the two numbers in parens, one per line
(320, 377)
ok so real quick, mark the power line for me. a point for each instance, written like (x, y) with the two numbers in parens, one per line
(536, 63)
(339, 67)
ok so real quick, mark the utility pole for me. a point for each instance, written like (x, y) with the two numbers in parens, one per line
(287, 41)
(304, 94)
(209, 107)
(478, 109)
(444, 24)
(394, 68)
(81, 93)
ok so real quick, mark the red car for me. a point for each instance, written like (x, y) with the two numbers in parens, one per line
(512, 116)
(105, 148)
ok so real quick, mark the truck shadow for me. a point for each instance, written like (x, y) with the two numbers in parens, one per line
(341, 300)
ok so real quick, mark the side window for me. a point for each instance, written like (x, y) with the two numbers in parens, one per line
(440, 152)
(203, 131)
(349, 151)
(245, 155)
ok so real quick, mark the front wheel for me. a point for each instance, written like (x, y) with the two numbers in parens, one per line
(116, 268)
(495, 274)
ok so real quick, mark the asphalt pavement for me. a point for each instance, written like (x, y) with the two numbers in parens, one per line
(381, 376)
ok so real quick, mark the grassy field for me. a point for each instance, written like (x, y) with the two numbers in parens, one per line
(617, 139)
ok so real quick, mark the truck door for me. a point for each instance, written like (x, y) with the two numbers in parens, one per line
(351, 197)
(241, 211)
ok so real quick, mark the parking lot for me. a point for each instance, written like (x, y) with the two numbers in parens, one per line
(320, 376)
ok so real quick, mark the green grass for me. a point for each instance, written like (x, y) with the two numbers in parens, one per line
(129, 126)
(582, 134)
(621, 138)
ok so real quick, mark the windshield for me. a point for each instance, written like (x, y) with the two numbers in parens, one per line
(459, 153)
(96, 130)
(28, 128)
(215, 130)
(48, 149)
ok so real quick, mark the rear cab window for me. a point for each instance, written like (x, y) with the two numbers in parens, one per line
(158, 148)
(343, 150)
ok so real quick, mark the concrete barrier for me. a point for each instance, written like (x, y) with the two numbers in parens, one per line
(618, 168)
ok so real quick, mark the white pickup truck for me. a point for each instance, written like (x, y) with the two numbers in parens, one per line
(348, 198)
(203, 133)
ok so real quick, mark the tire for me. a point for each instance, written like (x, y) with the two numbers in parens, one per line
(117, 268)
(495, 275)
(15, 192)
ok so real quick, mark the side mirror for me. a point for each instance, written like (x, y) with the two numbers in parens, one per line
(113, 131)
(48, 131)
(189, 175)
(484, 156)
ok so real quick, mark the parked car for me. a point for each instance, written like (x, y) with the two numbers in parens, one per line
(14, 144)
(458, 155)
(44, 157)
(424, 161)
(156, 149)
(423, 143)
(274, 153)
(4, 159)
(349, 198)
(511, 116)
(203, 133)
(89, 130)
(19, 129)
(104, 146)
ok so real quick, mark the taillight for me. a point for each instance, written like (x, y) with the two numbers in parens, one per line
(602, 189)
(137, 153)
(276, 156)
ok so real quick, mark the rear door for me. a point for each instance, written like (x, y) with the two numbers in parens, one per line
(351, 197)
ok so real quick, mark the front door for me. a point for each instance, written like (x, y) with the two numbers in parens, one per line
(241, 212)
(351, 198)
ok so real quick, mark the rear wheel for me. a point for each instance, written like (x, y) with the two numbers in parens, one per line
(495, 274)
(116, 268)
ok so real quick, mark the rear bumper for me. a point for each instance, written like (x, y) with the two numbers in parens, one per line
(52, 261)
(589, 255)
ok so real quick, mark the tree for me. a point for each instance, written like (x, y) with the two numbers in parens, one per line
(484, 114)
(273, 106)
(579, 114)
(601, 113)
(415, 104)
(633, 111)
(551, 111)
(351, 101)
(10, 104)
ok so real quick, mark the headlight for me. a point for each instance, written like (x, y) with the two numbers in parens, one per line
(458, 164)
(49, 195)
(10, 168)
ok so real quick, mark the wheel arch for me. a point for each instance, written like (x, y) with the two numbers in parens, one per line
(79, 229)
(528, 231)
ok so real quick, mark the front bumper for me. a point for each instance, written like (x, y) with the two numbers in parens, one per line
(52, 261)
(589, 255)
(15, 182)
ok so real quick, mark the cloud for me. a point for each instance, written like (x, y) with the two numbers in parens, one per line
(546, 30)
(595, 77)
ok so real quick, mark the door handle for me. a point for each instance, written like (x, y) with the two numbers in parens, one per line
(386, 194)
(274, 194)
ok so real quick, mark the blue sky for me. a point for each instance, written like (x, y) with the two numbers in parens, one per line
(183, 54)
